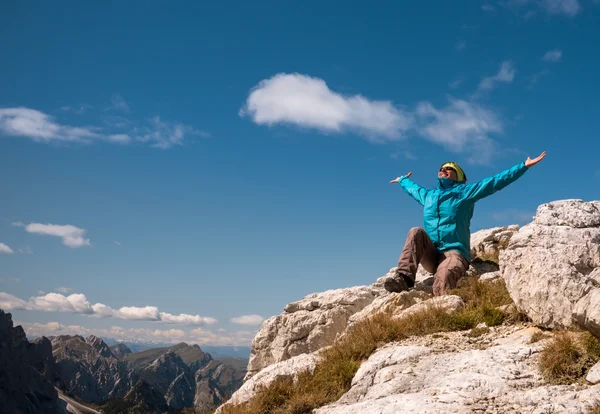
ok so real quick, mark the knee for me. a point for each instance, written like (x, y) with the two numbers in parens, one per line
(415, 231)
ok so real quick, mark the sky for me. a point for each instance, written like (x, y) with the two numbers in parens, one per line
(180, 171)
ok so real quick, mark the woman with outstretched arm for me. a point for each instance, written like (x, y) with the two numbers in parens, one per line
(443, 246)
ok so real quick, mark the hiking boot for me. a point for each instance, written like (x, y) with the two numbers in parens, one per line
(396, 283)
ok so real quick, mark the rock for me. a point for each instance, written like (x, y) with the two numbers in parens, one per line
(307, 325)
(22, 388)
(449, 303)
(408, 379)
(551, 266)
(487, 244)
(593, 374)
(172, 378)
(490, 276)
(85, 372)
(288, 368)
(99, 346)
(142, 398)
(120, 351)
(478, 268)
(215, 383)
(393, 302)
(520, 337)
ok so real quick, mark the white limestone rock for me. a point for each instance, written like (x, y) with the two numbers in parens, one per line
(552, 266)
(449, 303)
(486, 244)
(393, 302)
(407, 379)
(307, 325)
(593, 374)
(289, 368)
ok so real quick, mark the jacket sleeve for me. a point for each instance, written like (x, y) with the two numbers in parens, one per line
(490, 185)
(416, 191)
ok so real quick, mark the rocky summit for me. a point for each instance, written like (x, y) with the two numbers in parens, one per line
(24, 372)
(551, 270)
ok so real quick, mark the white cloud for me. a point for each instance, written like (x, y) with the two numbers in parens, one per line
(78, 303)
(199, 336)
(118, 103)
(118, 243)
(9, 302)
(80, 109)
(103, 311)
(146, 313)
(71, 236)
(309, 103)
(569, 8)
(26, 250)
(223, 337)
(566, 7)
(169, 334)
(55, 302)
(462, 45)
(506, 74)
(184, 319)
(553, 56)
(162, 134)
(40, 127)
(119, 138)
(64, 289)
(461, 126)
(488, 8)
(248, 320)
(5, 249)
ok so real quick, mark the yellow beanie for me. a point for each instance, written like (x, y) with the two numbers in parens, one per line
(460, 174)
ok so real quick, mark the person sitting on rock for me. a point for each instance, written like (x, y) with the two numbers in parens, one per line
(443, 246)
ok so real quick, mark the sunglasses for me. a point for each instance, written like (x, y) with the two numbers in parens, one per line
(447, 169)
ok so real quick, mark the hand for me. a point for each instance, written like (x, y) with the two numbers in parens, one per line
(395, 180)
(531, 162)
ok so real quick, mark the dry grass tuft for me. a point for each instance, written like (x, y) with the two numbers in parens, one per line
(595, 409)
(338, 365)
(568, 357)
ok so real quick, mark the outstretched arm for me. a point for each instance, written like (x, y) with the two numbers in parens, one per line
(489, 186)
(411, 188)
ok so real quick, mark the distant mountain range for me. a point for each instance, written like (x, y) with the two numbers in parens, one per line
(215, 351)
(173, 378)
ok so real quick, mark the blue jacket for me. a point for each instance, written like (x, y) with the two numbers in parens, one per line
(449, 207)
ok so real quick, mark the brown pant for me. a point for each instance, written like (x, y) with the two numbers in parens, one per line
(448, 267)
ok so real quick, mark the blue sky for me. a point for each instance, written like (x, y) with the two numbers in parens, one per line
(181, 171)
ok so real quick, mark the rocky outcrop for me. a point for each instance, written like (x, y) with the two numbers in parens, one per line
(87, 368)
(552, 265)
(288, 368)
(552, 271)
(499, 379)
(487, 244)
(307, 325)
(120, 351)
(23, 389)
